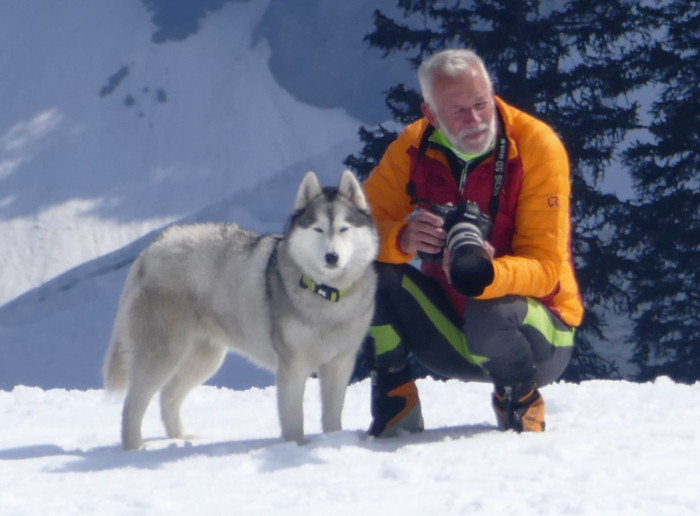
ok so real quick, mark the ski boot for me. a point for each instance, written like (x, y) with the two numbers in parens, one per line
(395, 403)
(517, 411)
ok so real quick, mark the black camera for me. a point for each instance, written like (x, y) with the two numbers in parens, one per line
(470, 267)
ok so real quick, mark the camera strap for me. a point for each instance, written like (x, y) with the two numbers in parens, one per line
(422, 147)
(500, 158)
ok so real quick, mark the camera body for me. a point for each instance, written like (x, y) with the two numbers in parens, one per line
(470, 266)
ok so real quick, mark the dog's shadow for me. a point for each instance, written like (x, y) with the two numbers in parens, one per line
(273, 453)
(114, 457)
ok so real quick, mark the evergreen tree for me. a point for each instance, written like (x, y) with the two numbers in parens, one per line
(571, 65)
(665, 234)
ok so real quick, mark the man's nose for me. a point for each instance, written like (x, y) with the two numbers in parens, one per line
(472, 116)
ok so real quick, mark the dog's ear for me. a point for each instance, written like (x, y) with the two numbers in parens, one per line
(308, 189)
(350, 187)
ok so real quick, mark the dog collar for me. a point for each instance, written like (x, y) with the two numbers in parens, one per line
(325, 291)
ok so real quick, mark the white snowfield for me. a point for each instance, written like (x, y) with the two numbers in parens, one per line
(611, 448)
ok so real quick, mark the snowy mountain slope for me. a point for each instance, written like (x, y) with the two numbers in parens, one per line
(106, 135)
(318, 55)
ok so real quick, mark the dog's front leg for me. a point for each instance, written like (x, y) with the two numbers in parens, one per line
(334, 377)
(291, 381)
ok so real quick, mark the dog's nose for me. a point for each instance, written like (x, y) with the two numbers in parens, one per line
(331, 258)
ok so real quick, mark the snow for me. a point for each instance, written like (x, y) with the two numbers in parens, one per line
(610, 448)
(105, 138)
(83, 173)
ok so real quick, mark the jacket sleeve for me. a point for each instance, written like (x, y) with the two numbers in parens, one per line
(386, 193)
(542, 221)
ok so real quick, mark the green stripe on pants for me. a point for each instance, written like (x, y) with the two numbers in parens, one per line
(385, 338)
(539, 318)
(451, 333)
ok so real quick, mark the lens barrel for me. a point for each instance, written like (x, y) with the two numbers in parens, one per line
(470, 267)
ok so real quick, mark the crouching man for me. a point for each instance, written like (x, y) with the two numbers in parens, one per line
(479, 190)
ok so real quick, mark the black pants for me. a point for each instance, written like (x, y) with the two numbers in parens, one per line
(512, 340)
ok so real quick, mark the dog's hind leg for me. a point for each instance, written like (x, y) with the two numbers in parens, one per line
(159, 343)
(334, 377)
(203, 360)
(142, 387)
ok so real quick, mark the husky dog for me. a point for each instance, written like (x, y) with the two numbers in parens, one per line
(296, 303)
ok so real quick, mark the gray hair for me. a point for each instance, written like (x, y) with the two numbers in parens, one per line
(450, 63)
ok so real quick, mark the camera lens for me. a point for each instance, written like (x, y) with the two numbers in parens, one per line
(470, 267)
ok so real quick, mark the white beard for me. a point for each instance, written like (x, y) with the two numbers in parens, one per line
(485, 144)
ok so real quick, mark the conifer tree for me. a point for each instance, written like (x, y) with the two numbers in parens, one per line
(570, 64)
(665, 229)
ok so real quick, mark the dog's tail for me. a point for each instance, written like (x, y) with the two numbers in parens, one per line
(114, 369)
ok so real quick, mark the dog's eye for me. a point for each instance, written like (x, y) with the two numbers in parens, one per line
(318, 229)
(344, 228)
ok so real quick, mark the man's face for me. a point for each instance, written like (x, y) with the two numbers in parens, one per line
(464, 110)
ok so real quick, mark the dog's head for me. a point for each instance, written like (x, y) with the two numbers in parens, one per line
(332, 236)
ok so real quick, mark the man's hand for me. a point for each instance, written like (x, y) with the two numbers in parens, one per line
(423, 233)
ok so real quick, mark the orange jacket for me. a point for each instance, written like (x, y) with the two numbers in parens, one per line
(532, 232)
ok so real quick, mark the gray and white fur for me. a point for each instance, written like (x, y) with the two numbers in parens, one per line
(201, 290)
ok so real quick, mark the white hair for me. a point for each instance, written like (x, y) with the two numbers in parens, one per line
(450, 63)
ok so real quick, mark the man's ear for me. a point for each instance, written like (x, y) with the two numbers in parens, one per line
(430, 115)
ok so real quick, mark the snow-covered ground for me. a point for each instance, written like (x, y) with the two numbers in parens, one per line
(611, 448)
